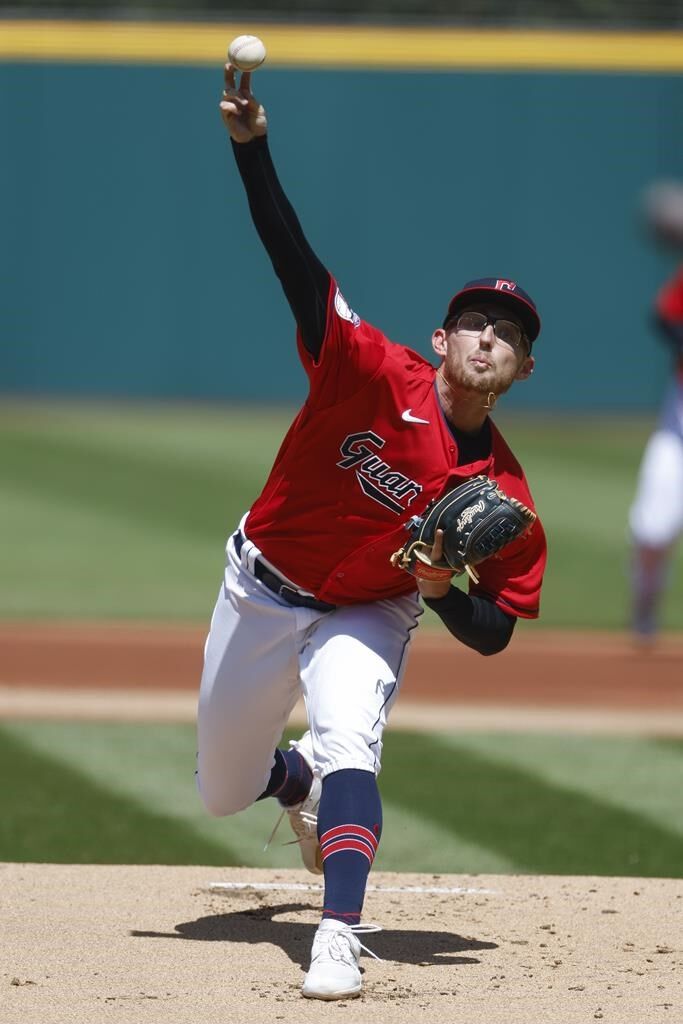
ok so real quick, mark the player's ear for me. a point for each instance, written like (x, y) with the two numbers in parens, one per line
(439, 341)
(526, 369)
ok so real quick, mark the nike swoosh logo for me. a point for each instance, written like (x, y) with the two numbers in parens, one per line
(409, 418)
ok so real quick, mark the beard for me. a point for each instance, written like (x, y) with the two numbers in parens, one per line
(482, 382)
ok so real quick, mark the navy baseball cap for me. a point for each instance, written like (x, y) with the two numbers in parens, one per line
(502, 290)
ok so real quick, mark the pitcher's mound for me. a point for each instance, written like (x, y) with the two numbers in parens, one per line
(186, 945)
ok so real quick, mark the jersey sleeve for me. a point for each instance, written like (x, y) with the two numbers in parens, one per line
(352, 354)
(669, 313)
(669, 301)
(513, 578)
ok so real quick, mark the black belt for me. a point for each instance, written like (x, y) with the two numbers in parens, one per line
(278, 586)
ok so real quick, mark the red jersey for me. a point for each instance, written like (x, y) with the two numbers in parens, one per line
(669, 301)
(669, 306)
(371, 448)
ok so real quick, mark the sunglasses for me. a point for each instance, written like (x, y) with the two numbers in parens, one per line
(507, 332)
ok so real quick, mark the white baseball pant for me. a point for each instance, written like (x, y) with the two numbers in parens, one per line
(656, 516)
(261, 654)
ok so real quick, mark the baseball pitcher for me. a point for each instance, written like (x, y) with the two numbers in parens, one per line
(391, 480)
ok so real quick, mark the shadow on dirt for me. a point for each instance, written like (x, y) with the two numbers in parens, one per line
(258, 925)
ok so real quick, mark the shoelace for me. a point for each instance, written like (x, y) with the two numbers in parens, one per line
(364, 929)
(340, 937)
(275, 828)
(309, 820)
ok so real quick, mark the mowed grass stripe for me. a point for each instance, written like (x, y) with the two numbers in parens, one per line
(670, 745)
(412, 841)
(151, 486)
(154, 532)
(204, 435)
(153, 766)
(82, 563)
(539, 826)
(586, 585)
(612, 443)
(556, 493)
(640, 776)
(446, 808)
(52, 813)
(172, 496)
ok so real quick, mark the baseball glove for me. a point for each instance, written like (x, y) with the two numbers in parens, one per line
(477, 520)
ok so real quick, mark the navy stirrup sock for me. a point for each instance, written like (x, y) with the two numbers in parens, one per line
(290, 778)
(349, 829)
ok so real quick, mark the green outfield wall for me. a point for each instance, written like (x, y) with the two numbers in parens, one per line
(130, 266)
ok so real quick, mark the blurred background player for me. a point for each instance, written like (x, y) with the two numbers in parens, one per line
(656, 516)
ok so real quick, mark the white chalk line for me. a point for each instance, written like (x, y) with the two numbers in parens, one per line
(422, 890)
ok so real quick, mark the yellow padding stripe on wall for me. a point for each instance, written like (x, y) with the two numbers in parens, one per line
(342, 47)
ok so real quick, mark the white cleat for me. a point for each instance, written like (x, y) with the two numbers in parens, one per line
(303, 818)
(334, 971)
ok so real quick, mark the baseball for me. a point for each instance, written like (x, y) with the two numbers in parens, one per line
(246, 53)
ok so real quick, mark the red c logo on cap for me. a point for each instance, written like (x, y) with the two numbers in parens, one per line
(505, 286)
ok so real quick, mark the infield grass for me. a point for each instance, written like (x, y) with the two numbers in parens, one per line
(120, 793)
(123, 511)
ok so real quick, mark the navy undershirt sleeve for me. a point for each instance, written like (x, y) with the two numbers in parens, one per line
(305, 281)
(474, 621)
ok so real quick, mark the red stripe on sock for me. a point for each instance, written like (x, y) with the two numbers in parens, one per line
(339, 914)
(352, 830)
(346, 838)
(351, 845)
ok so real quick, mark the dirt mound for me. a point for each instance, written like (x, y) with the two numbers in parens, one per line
(163, 944)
